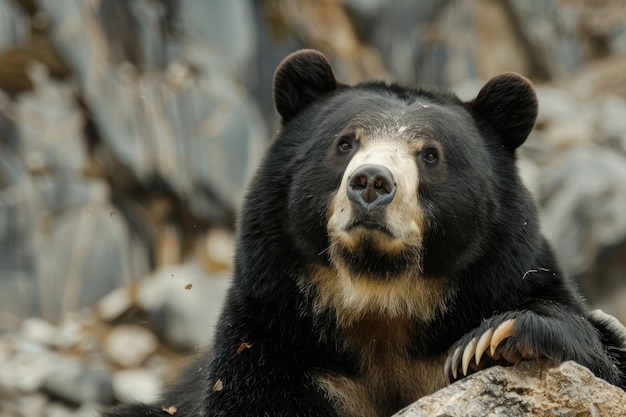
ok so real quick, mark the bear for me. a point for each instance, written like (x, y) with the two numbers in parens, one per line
(386, 247)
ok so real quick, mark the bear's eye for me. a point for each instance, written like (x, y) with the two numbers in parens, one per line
(431, 156)
(345, 144)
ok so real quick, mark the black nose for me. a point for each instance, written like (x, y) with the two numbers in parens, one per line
(371, 185)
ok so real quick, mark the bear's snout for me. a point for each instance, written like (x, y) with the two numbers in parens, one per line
(371, 186)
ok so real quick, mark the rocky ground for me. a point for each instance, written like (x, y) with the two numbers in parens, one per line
(128, 130)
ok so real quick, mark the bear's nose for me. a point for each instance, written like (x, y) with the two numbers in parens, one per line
(371, 185)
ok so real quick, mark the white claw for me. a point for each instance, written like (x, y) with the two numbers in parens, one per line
(482, 345)
(454, 363)
(504, 330)
(468, 353)
(446, 367)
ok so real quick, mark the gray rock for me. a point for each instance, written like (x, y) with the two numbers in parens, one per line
(129, 345)
(38, 330)
(87, 410)
(33, 405)
(19, 200)
(58, 410)
(552, 29)
(183, 303)
(534, 388)
(25, 366)
(19, 204)
(13, 24)
(195, 129)
(610, 120)
(75, 269)
(114, 304)
(365, 7)
(584, 199)
(134, 385)
(69, 333)
(228, 28)
(49, 126)
(402, 32)
(558, 105)
(72, 382)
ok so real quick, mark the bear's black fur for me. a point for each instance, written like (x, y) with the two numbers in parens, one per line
(357, 282)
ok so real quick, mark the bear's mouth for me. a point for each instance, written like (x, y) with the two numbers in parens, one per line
(369, 225)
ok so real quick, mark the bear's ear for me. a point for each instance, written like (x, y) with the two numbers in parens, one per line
(508, 103)
(301, 78)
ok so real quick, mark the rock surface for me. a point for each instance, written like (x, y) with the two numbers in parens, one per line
(528, 389)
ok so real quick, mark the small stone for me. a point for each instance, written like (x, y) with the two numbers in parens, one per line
(129, 345)
(136, 385)
(77, 384)
(220, 249)
(32, 405)
(38, 331)
(114, 304)
(88, 410)
(58, 410)
(26, 370)
(69, 334)
(182, 316)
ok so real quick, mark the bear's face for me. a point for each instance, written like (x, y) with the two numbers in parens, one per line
(396, 189)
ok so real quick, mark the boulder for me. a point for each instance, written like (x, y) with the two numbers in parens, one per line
(533, 388)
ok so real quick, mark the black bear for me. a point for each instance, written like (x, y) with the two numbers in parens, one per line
(386, 245)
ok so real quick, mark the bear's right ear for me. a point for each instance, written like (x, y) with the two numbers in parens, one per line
(302, 77)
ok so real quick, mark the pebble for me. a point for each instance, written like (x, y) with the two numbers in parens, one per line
(182, 313)
(114, 304)
(75, 383)
(38, 330)
(32, 405)
(69, 333)
(129, 345)
(137, 384)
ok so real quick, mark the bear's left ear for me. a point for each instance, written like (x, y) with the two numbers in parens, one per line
(301, 78)
(508, 103)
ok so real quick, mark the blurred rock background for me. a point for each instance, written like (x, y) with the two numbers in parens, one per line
(128, 130)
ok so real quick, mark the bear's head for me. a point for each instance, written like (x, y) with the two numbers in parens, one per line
(397, 191)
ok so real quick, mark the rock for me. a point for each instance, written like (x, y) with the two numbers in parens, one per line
(49, 126)
(32, 405)
(190, 124)
(533, 388)
(584, 196)
(133, 385)
(69, 333)
(85, 254)
(557, 105)
(19, 203)
(219, 249)
(26, 367)
(38, 330)
(75, 383)
(114, 304)
(227, 28)
(87, 410)
(57, 410)
(13, 25)
(183, 303)
(610, 120)
(129, 345)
